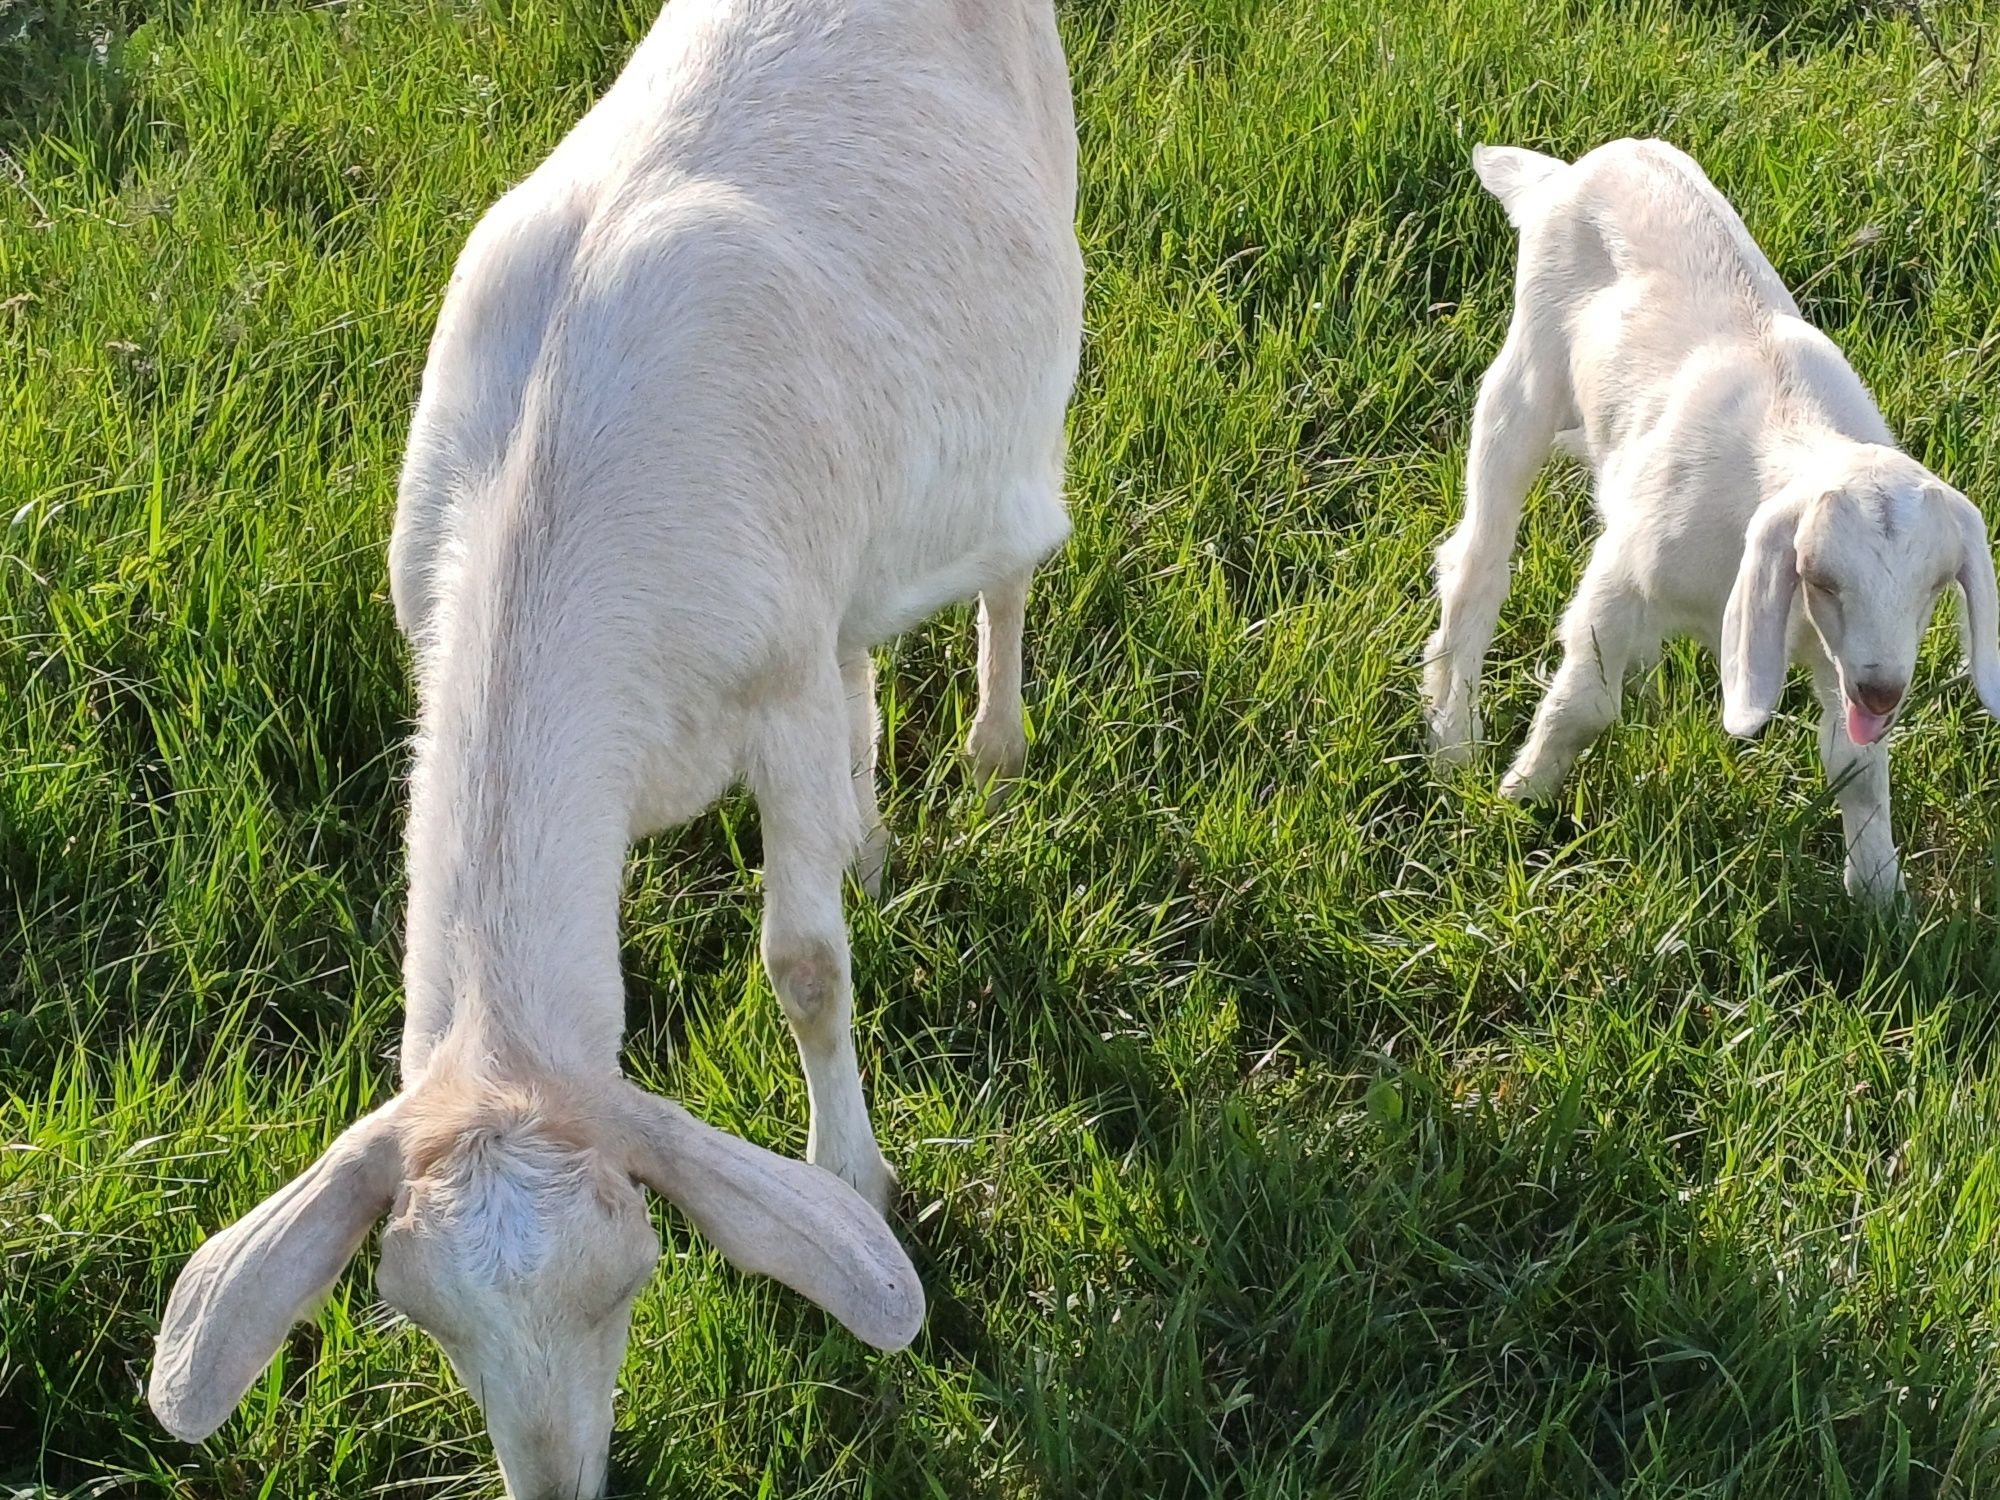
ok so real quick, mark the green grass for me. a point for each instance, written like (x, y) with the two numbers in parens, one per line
(1275, 1118)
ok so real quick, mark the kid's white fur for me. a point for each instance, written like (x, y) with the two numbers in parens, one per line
(1751, 495)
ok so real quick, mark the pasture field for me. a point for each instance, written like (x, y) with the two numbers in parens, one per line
(1275, 1118)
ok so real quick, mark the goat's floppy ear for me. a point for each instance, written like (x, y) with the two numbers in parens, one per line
(781, 1218)
(244, 1288)
(1756, 625)
(1979, 625)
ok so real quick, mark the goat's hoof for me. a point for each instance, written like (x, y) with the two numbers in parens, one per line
(1882, 891)
(1451, 755)
(866, 1172)
(1454, 736)
(999, 753)
(1451, 719)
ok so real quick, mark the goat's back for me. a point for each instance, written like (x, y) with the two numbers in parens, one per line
(792, 314)
(1644, 211)
(1652, 304)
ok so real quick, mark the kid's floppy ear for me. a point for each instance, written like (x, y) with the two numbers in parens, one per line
(1979, 626)
(242, 1291)
(781, 1218)
(1756, 625)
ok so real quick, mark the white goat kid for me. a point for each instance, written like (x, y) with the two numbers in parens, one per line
(1750, 493)
(766, 363)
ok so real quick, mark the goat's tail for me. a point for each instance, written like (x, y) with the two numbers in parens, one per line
(1510, 173)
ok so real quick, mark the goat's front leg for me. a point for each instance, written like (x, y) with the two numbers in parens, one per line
(1600, 633)
(805, 797)
(857, 681)
(1859, 775)
(998, 744)
(1513, 429)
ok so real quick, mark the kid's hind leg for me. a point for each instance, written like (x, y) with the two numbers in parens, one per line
(805, 797)
(1601, 635)
(1513, 429)
(998, 743)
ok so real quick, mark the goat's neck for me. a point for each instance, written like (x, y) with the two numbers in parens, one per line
(1795, 452)
(517, 845)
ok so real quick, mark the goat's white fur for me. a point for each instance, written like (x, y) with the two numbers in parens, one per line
(766, 362)
(1751, 495)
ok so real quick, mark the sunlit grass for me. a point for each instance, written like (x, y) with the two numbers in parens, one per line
(1275, 1119)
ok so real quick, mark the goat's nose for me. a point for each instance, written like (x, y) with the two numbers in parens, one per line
(1878, 697)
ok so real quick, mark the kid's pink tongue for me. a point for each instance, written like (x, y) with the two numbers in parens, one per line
(1864, 728)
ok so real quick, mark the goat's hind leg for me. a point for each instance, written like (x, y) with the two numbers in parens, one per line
(1601, 634)
(998, 743)
(857, 681)
(812, 829)
(1521, 404)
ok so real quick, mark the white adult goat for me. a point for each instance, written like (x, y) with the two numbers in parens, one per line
(1741, 471)
(766, 363)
